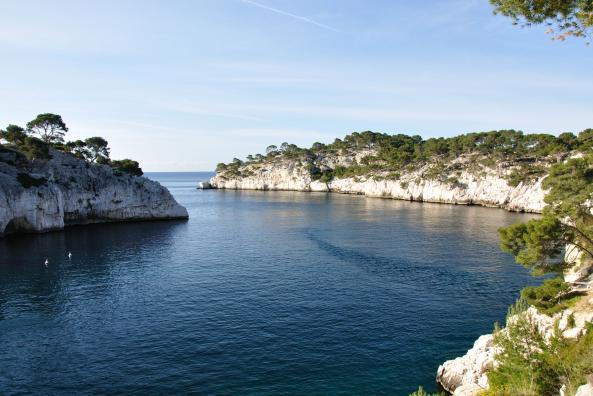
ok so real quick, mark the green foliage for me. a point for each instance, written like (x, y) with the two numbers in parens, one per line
(94, 149)
(422, 392)
(550, 297)
(535, 243)
(97, 147)
(585, 138)
(571, 186)
(127, 166)
(525, 174)
(78, 148)
(326, 177)
(35, 149)
(571, 321)
(220, 167)
(271, 150)
(452, 181)
(521, 357)
(395, 153)
(570, 17)
(103, 160)
(435, 172)
(32, 147)
(567, 218)
(28, 181)
(51, 130)
(528, 364)
(14, 134)
(49, 127)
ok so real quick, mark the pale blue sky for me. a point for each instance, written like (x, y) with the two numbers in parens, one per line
(182, 85)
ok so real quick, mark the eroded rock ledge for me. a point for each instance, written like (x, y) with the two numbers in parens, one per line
(38, 196)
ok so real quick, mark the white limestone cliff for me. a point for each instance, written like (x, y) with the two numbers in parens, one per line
(466, 375)
(468, 184)
(41, 196)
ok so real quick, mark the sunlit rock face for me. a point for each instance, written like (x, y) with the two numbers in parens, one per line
(468, 184)
(468, 375)
(37, 196)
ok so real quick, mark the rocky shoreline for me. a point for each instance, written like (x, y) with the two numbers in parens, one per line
(467, 375)
(46, 195)
(488, 187)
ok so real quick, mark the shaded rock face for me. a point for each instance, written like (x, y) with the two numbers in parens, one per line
(41, 196)
(487, 186)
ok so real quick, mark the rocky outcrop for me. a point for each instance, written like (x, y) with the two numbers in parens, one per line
(467, 375)
(44, 195)
(464, 181)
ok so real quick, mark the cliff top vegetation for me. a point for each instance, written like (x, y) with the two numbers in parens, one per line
(47, 131)
(385, 153)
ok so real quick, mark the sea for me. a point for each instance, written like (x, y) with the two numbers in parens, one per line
(258, 293)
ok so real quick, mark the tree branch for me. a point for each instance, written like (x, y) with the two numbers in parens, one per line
(581, 233)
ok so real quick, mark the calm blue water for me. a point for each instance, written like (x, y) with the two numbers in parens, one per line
(258, 293)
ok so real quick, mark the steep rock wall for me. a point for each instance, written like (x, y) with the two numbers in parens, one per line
(41, 196)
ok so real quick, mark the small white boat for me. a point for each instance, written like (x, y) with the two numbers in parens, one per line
(205, 185)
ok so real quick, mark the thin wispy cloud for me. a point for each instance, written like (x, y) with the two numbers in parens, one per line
(288, 14)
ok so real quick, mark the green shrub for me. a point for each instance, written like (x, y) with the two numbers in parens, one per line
(452, 180)
(435, 172)
(34, 148)
(326, 177)
(571, 322)
(528, 364)
(392, 153)
(525, 174)
(127, 166)
(549, 297)
(422, 392)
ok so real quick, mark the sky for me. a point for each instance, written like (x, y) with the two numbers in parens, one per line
(183, 85)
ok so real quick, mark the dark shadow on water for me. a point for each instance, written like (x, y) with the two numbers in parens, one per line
(96, 250)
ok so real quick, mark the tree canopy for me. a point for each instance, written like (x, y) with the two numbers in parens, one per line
(127, 166)
(49, 127)
(567, 218)
(49, 130)
(98, 147)
(14, 134)
(564, 17)
(394, 153)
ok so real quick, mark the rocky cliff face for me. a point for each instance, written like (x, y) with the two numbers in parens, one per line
(462, 181)
(467, 375)
(37, 196)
